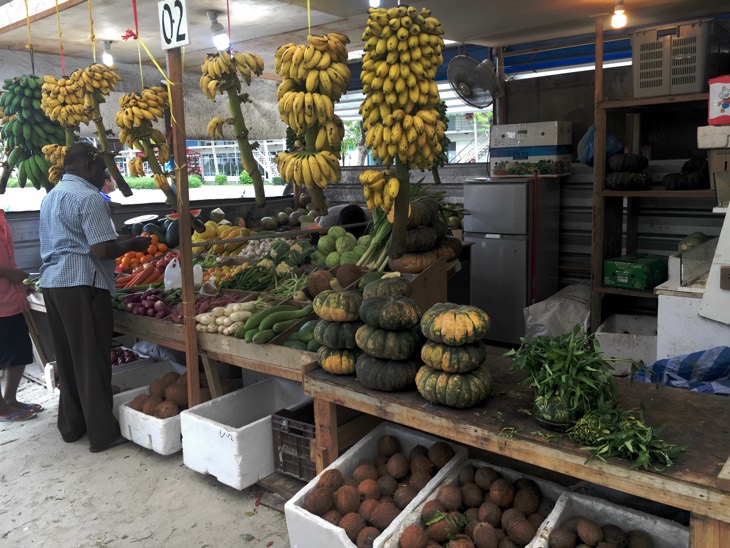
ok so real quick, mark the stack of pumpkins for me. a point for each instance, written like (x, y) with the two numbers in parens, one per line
(339, 321)
(455, 373)
(388, 338)
(426, 239)
(628, 172)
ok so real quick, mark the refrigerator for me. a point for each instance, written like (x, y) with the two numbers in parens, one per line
(513, 228)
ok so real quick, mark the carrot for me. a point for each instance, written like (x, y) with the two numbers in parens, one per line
(147, 274)
(135, 280)
(125, 279)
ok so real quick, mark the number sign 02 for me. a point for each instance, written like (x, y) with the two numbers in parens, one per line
(173, 23)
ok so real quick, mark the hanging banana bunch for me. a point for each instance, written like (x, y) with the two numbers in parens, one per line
(380, 188)
(314, 78)
(25, 131)
(54, 156)
(75, 100)
(221, 75)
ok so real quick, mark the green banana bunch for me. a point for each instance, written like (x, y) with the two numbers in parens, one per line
(402, 52)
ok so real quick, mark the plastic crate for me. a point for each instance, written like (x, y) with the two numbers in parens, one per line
(678, 59)
(293, 431)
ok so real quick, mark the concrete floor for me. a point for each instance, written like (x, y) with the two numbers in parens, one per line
(58, 494)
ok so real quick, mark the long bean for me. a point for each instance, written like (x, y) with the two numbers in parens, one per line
(289, 286)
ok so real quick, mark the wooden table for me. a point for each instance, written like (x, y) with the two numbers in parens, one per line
(502, 425)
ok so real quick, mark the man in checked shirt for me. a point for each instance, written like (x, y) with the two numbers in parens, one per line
(78, 248)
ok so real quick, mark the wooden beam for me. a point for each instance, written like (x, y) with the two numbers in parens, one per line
(324, 447)
(41, 15)
(723, 478)
(706, 532)
(177, 115)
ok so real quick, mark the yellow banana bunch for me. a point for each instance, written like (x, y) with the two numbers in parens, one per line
(309, 168)
(215, 128)
(160, 181)
(379, 188)
(54, 154)
(403, 49)
(65, 100)
(248, 63)
(99, 78)
(137, 112)
(54, 174)
(163, 152)
(215, 65)
(135, 166)
(301, 110)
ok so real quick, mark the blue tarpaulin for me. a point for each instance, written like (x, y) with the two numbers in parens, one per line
(704, 371)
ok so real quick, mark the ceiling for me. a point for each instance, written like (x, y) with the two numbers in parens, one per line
(263, 25)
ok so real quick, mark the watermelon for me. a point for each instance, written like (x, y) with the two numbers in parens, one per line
(174, 216)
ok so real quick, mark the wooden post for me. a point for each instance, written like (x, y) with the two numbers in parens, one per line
(598, 91)
(501, 104)
(177, 112)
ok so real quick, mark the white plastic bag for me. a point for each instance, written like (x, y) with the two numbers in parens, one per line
(559, 313)
(173, 275)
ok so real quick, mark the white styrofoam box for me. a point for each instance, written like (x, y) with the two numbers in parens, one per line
(160, 435)
(139, 373)
(309, 531)
(550, 490)
(663, 532)
(124, 397)
(49, 376)
(231, 437)
(519, 150)
(713, 137)
(629, 337)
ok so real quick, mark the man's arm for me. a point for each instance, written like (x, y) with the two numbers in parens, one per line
(116, 248)
(13, 274)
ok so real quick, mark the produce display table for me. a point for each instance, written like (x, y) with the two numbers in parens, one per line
(503, 426)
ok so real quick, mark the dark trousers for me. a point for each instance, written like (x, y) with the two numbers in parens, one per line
(82, 325)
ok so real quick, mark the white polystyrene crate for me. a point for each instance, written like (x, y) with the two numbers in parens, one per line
(713, 137)
(231, 437)
(548, 489)
(309, 531)
(160, 435)
(124, 397)
(663, 532)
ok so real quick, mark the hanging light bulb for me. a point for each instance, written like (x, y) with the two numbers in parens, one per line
(374, 3)
(106, 57)
(220, 37)
(619, 15)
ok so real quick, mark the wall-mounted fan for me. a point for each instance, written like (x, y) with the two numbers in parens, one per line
(475, 82)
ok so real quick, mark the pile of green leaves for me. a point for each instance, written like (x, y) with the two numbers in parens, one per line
(610, 431)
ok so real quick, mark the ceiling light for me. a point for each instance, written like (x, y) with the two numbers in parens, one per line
(618, 20)
(220, 38)
(374, 3)
(106, 57)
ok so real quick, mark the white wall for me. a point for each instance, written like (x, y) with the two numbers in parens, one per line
(262, 117)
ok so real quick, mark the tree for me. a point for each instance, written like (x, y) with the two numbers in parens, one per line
(355, 139)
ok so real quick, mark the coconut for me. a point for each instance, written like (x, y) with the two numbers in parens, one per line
(466, 474)
(347, 499)
(331, 479)
(350, 481)
(589, 532)
(520, 531)
(404, 495)
(440, 454)
(388, 485)
(348, 274)
(367, 537)
(501, 492)
(421, 463)
(461, 542)
(398, 466)
(386, 499)
(366, 508)
(491, 513)
(442, 530)
(369, 489)
(450, 497)
(380, 459)
(485, 476)
(413, 536)
(365, 471)
(510, 515)
(536, 519)
(169, 378)
(430, 509)
(507, 543)
(526, 500)
(319, 501)
(571, 524)
(384, 515)
(157, 389)
(471, 495)
(352, 523)
(562, 538)
(614, 533)
(166, 409)
(177, 393)
(471, 514)
(417, 450)
(527, 483)
(333, 516)
(149, 406)
(138, 402)
(419, 480)
(639, 539)
(484, 536)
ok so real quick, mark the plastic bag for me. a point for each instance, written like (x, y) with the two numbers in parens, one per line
(173, 275)
(585, 146)
(559, 313)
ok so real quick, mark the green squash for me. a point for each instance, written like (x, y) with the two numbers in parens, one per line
(633, 163)
(454, 324)
(422, 212)
(386, 375)
(460, 390)
(390, 345)
(440, 228)
(369, 277)
(336, 334)
(337, 306)
(454, 359)
(420, 238)
(337, 361)
(388, 287)
(393, 313)
(628, 181)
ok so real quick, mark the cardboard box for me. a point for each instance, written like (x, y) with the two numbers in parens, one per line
(635, 271)
(663, 532)
(719, 160)
(231, 437)
(519, 150)
(549, 490)
(309, 531)
(629, 337)
(713, 137)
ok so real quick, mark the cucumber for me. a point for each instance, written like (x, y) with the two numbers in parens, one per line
(306, 332)
(248, 336)
(283, 315)
(240, 332)
(280, 327)
(256, 319)
(295, 344)
(262, 337)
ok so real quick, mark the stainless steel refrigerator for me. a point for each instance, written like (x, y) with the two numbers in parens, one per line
(513, 226)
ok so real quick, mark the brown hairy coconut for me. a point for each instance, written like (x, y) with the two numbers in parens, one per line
(365, 471)
(485, 476)
(419, 480)
(417, 450)
(510, 515)
(526, 500)
(369, 489)
(388, 446)
(589, 532)
(352, 523)
(366, 508)
(484, 536)
(177, 393)
(614, 533)
(471, 495)
(169, 378)
(157, 389)
(639, 539)
(347, 499)
(460, 542)
(166, 409)
(491, 513)
(138, 402)
(413, 536)
(404, 495)
(520, 531)
(562, 538)
(430, 509)
(367, 537)
(466, 474)
(440, 453)
(331, 479)
(384, 515)
(333, 516)
(501, 492)
(149, 406)
(319, 501)
(450, 497)
(398, 466)
(536, 519)
(388, 485)
(421, 463)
